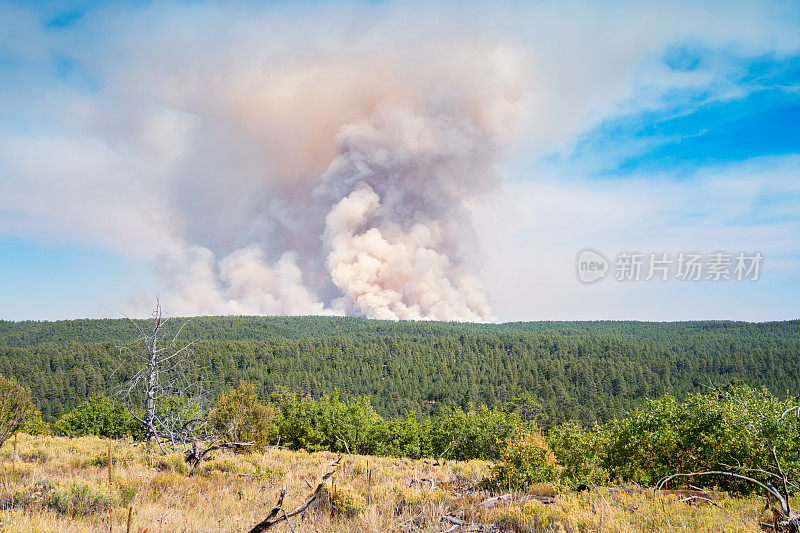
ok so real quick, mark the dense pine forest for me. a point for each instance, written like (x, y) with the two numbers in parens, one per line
(587, 371)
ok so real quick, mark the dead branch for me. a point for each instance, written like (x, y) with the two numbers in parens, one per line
(194, 455)
(690, 499)
(275, 516)
(784, 517)
(772, 491)
(795, 408)
(346, 447)
(461, 525)
(491, 501)
(438, 461)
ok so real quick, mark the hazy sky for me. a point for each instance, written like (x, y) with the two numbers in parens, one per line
(402, 160)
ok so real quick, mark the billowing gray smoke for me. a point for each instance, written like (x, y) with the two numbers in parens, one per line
(396, 227)
(383, 230)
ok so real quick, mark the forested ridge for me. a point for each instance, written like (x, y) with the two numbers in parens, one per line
(590, 371)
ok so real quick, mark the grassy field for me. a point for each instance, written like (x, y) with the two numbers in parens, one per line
(61, 484)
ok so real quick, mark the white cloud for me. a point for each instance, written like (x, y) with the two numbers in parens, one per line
(548, 221)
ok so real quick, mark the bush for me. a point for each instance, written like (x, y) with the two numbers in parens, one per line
(528, 460)
(478, 433)
(36, 426)
(173, 462)
(259, 468)
(35, 456)
(325, 423)
(124, 458)
(15, 408)
(98, 416)
(580, 452)
(343, 500)
(240, 417)
(224, 466)
(735, 425)
(128, 490)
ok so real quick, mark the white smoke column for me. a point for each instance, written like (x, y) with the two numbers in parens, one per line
(390, 209)
(404, 277)
(398, 233)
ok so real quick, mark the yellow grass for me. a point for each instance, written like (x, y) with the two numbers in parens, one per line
(61, 484)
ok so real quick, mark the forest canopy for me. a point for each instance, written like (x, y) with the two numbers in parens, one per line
(551, 371)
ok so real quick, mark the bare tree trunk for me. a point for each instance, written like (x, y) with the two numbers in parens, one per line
(163, 373)
(152, 381)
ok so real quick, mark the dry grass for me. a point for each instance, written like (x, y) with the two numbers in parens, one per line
(60, 484)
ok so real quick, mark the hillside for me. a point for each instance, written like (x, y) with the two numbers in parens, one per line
(590, 371)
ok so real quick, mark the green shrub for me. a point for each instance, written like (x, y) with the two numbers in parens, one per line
(16, 407)
(477, 433)
(328, 423)
(732, 426)
(528, 460)
(36, 426)
(128, 490)
(580, 452)
(239, 417)
(97, 416)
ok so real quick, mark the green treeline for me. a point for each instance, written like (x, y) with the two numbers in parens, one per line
(732, 428)
(561, 371)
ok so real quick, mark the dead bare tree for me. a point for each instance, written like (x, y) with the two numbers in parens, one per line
(165, 392)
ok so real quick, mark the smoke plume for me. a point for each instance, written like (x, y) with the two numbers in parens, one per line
(340, 187)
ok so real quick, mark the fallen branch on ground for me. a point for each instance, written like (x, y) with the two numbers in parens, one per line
(491, 501)
(195, 455)
(279, 514)
(784, 518)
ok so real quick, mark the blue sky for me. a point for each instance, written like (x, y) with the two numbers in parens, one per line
(671, 128)
(72, 278)
(691, 130)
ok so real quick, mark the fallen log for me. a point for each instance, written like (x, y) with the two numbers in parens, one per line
(489, 502)
(279, 514)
